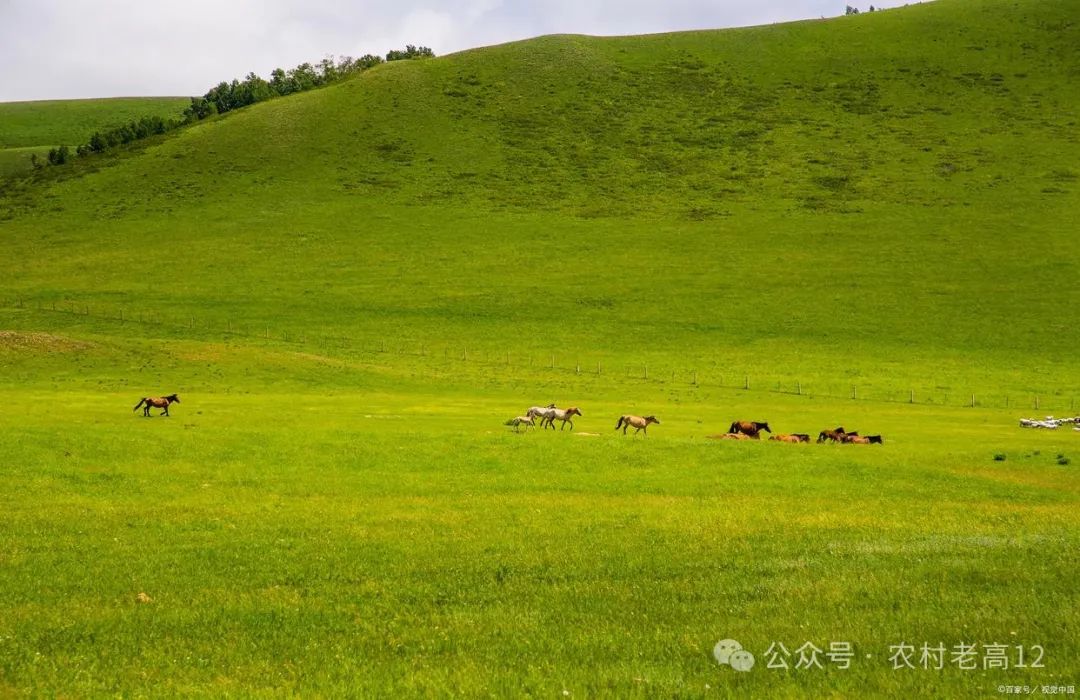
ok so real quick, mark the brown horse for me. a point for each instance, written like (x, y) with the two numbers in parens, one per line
(864, 440)
(834, 435)
(564, 414)
(751, 428)
(794, 437)
(730, 436)
(639, 422)
(157, 402)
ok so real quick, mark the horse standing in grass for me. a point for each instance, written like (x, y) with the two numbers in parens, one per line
(527, 421)
(639, 422)
(564, 414)
(157, 402)
(750, 428)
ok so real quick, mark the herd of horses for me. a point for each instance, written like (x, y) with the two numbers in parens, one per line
(551, 413)
(751, 430)
(739, 430)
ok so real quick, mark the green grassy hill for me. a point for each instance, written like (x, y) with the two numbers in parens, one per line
(35, 127)
(764, 200)
(352, 288)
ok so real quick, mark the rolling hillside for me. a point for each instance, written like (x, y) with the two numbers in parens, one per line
(890, 190)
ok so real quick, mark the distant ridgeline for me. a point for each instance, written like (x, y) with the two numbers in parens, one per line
(225, 97)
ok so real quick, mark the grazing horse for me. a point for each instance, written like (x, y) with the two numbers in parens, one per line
(564, 414)
(639, 422)
(750, 428)
(157, 402)
(527, 421)
(796, 437)
(834, 435)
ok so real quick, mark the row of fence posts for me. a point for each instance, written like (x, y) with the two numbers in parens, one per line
(192, 324)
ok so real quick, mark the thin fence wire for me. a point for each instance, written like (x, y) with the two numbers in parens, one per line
(1037, 405)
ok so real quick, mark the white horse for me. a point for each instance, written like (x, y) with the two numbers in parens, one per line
(564, 414)
(527, 421)
(539, 411)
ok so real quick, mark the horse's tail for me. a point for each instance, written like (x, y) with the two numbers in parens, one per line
(141, 401)
(734, 427)
(619, 424)
(512, 421)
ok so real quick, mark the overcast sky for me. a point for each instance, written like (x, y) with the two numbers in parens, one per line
(54, 49)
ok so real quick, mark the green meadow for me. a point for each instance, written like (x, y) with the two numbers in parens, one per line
(352, 288)
(32, 128)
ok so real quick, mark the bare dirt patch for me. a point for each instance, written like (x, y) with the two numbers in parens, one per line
(34, 342)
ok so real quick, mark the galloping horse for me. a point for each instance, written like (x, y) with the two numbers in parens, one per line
(749, 428)
(639, 422)
(527, 421)
(157, 402)
(564, 414)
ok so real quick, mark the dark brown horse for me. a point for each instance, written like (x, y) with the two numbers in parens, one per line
(639, 422)
(157, 402)
(751, 428)
(834, 435)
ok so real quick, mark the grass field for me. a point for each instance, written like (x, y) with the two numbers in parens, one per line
(352, 288)
(360, 532)
(35, 127)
